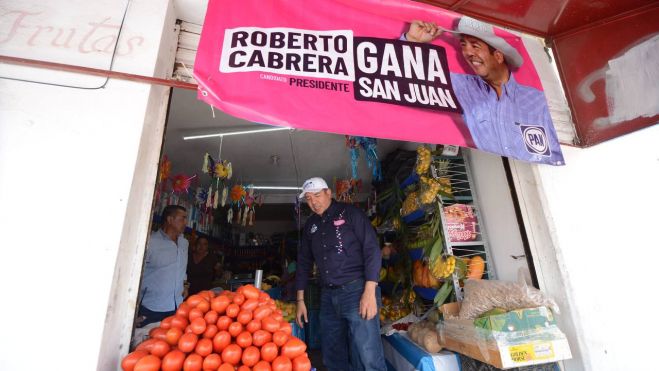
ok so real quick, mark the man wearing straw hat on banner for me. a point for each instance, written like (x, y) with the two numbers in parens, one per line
(341, 241)
(503, 116)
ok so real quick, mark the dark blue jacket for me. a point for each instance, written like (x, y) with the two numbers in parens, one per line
(343, 244)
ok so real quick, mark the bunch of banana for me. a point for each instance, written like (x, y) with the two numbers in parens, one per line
(396, 223)
(431, 188)
(288, 310)
(443, 266)
(410, 204)
(423, 160)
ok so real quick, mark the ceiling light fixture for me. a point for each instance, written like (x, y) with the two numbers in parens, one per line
(255, 131)
(277, 188)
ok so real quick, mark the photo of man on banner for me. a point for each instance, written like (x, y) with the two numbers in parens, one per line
(502, 116)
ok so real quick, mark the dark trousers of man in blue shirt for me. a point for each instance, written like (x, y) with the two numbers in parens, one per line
(345, 334)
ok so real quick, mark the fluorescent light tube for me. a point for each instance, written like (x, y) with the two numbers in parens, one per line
(276, 187)
(255, 131)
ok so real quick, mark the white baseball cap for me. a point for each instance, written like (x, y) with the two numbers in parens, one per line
(313, 185)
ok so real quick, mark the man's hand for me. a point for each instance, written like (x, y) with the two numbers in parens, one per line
(368, 306)
(301, 312)
(423, 32)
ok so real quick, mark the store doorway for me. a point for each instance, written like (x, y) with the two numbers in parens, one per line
(272, 165)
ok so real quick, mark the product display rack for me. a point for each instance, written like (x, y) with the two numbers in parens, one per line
(458, 171)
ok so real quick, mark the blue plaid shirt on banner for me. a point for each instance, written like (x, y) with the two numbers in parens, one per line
(516, 125)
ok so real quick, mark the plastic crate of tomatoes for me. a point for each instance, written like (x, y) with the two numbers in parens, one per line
(241, 330)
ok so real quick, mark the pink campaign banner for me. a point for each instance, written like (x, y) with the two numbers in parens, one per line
(386, 69)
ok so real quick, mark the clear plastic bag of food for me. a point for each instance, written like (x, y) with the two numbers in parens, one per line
(481, 296)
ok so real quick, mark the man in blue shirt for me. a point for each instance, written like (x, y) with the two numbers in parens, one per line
(341, 241)
(166, 260)
(503, 116)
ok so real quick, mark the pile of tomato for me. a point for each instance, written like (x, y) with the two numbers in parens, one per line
(240, 330)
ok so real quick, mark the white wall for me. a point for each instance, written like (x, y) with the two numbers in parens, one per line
(599, 247)
(605, 206)
(67, 159)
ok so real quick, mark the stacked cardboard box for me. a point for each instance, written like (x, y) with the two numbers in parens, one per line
(511, 339)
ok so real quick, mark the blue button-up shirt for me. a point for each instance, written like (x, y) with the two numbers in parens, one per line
(516, 124)
(164, 272)
(343, 244)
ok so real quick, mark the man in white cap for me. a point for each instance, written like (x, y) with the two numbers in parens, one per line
(341, 241)
(503, 116)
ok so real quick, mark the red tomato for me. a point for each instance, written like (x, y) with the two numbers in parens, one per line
(160, 348)
(211, 317)
(173, 361)
(204, 306)
(183, 310)
(223, 322)
(253, 325)
(211, 331)
(264, 295)
(226, 367)
(158, 333)
(244, 368)
(251, 292)
(193, 362)
(261, 337)
(262, 312)
(172, 335)
(166, 323)
(250, 304)
(239, 299)
(251, 356)
(187, 342)
(262, 366)
(179, 321)
(207, 294)
(277, 316)
(232, 310)
(286, 327)
(278, 311)
(301, 363)
(193, 300)
(269, 351)
(280, 338)
(244, 317)
(198, 326)
(212, 362)
(220, 303)
(129, 361)
(270, 324)
(294, 347)
(148, 363)
(195, 313)
(204, 347)
(282, 363)
(146, 345)
(244, 339)
(188, 329)
(235, 328)
(221, 340)
(231, 354)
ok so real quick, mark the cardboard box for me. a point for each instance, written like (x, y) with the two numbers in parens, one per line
(504, 349)
(518, 320)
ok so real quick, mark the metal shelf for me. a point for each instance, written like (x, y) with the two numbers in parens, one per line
(458, 171)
